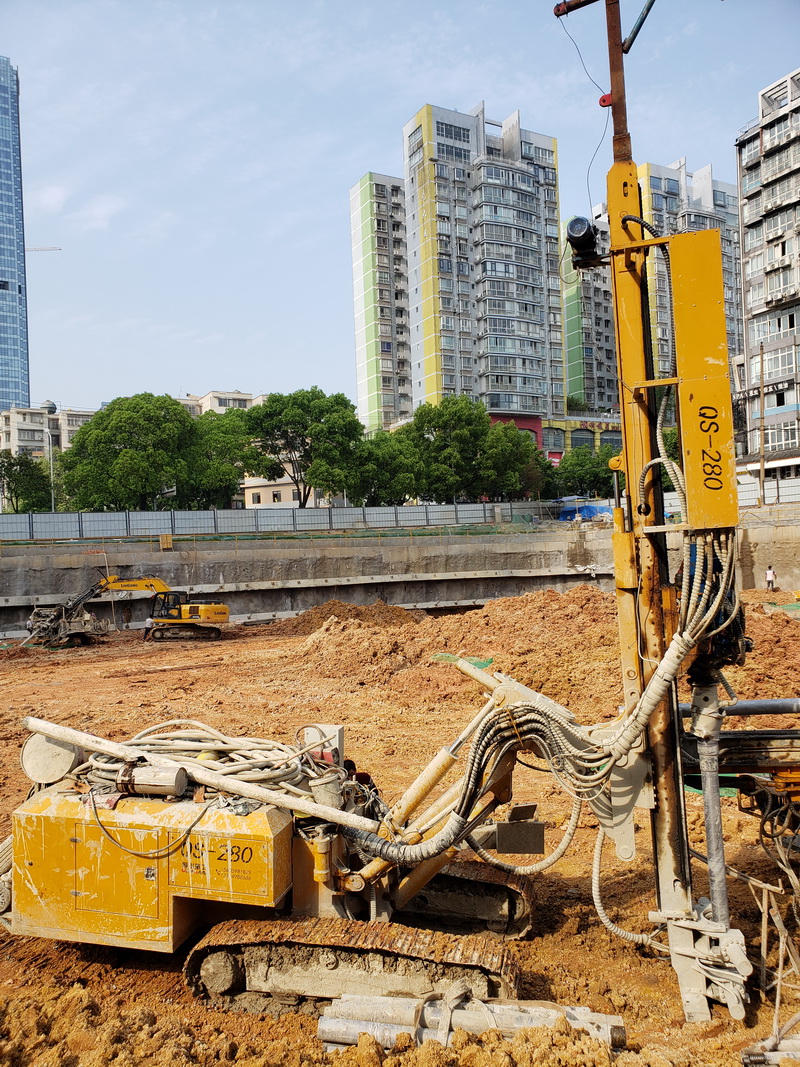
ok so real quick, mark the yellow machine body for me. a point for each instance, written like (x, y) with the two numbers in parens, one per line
(199, 613)
(173, 609)
(77, 875)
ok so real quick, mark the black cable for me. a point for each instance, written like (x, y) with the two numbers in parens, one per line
(563, 25)
(562, 22)
(594, 156)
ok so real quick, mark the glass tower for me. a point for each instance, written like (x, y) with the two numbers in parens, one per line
(14, 379)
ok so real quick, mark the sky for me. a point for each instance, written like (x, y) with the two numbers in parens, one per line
(192, 159)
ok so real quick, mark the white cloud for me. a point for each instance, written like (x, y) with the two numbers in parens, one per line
(49, 198)
(99, 211)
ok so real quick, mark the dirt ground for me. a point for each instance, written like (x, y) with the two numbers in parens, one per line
(372, 669)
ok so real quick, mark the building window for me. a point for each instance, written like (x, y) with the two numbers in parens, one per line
(578, 438)
(454, 133)
(613, 438)
(276, 496)
(256, 498)
(452, 152)
(553, 438)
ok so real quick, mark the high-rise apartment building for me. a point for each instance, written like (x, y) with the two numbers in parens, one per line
(769, 180)
(14, 378)
(675, 200)
(466, 299)
(483, 256)
(380, 294)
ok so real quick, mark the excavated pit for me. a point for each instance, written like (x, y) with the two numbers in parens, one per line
(64, 1005)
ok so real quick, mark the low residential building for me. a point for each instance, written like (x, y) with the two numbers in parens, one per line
(218, 401)
(36, 431)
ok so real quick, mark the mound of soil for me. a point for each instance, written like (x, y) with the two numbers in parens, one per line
(374, 670)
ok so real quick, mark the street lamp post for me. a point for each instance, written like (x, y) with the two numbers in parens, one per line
(49, 409)
(52, 483)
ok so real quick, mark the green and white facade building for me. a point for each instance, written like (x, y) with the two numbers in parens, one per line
(591, 363)
(380, 293)
(768, 150)
(673, 201)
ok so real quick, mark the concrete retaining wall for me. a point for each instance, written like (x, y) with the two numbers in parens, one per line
(270, 579)
(262, 580)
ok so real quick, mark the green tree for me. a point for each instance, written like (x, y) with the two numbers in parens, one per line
(315, 437)
(583, 472)
(130, 454)
(575, 405)
(505, 454)
(221, 456)
(448, 438)
(539, 478)
(25, 483)
(463, 455)
(673, 451)
(386, 470)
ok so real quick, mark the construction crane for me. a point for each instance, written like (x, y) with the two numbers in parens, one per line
(43, 248)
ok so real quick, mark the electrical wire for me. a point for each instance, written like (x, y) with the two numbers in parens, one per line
(158, 853)
(594, 156)
(562, 22)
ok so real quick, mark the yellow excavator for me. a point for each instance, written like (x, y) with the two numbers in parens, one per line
(175, 613)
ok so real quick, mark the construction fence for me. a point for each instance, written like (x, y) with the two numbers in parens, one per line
(67, 526)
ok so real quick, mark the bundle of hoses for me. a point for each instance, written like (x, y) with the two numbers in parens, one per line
(250, 759)
(541, 726)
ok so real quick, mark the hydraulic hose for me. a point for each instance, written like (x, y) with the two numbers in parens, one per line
(626, 935)
(409, 855)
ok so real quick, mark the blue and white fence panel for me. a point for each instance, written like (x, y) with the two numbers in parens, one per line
(67, 526)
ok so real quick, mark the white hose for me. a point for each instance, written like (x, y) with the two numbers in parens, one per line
(626, 935)
(247, 759)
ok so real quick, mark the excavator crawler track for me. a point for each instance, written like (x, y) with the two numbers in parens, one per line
(300, 965)
(471, 896)
(186, 630)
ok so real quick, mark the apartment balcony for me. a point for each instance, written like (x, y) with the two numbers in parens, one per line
(778, 264)
(792, 134)
(783, 296)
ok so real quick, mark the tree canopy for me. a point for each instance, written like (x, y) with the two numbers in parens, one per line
(130, 454)
(583, 472)
(220, 456)
(314, 435)
(386, 470)
(25, 483)
(463, 455)
(539, 478)
(146, 452)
